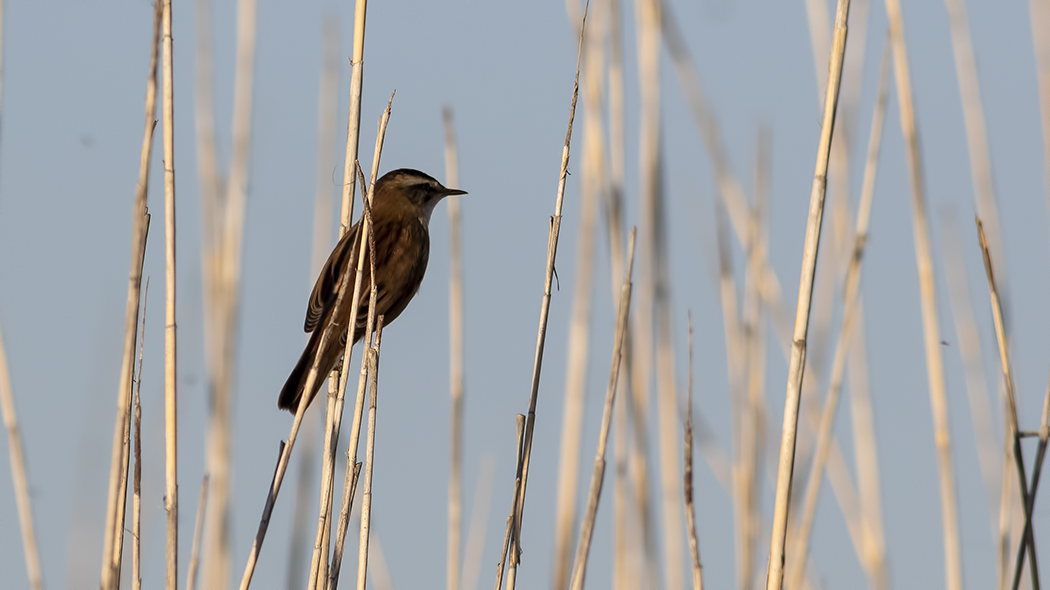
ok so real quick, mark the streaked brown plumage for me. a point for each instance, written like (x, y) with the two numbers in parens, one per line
(404, 200)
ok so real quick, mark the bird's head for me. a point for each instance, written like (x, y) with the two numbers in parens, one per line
(420, 190)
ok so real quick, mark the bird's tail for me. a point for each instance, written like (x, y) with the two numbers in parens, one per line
(292, 391)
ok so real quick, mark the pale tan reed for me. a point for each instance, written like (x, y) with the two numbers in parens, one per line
(455, 359)
(139, 230)
(690, 510)
(775, 572)
(565, 517)
(598, 474)
(850, 296)
(198, 530)
(18, 475)
(927, 287)
(136, 498)
(552, 252)
(1013, 431)
(509, 533)
(171, 483)
(366, 231)
(373, 386)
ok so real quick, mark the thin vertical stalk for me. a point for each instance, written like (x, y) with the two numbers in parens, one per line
(479, 519)
(171, 493)
(508, 537)
(198, 530)
(851, 297)
(366, 496)
(1039, 16)
(455, 359)
(973, 365)
(927, 288)
(565, 518)
(355, 429)
(690, 510)
(598, 475)
(552, 253)
(18, 475)
(139, 230)
(1013, 432)
(322, 245)
(136, 498)
(976, 136)
(775, 573)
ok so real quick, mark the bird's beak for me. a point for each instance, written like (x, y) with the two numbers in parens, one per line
(449, 192)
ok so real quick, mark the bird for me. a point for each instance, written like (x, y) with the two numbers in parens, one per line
(403, 202)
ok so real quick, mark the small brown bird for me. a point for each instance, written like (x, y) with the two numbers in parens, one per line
(403, 202)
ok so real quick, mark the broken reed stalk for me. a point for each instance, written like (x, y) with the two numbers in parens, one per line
(509, 544)
(775, 573)
(171, 493)
(18, 475)
(139, 229)
(565, 518)
(1027, 537)
(365, 231)
(967, 336)
(598, 474)
(687, 479)
(851, 298)
(552, 252)
(455, 359)
(976, 136)
(198, 530)
(366, 495)
(136, 498)
(312, 376)
(927, 289)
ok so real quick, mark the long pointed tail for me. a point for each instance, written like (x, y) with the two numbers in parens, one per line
(292, 391)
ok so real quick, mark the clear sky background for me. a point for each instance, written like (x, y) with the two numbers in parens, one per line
(74, 80)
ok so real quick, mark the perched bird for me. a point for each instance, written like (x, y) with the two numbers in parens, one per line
(403, 202)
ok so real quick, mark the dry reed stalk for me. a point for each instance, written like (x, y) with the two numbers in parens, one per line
(598, 474)
(455, 358)
(18, 475)
(508, 536)
(353, 123)
(976, 381)
(198, 530)
(171, 485)
(775, 573)
(630, 455)
(654, 305)
(976, 136)
(927, 288)
(14, 442)
(690, 511)
(479, 519)
(136, 498)
(565, 518)
(552, 252)
(312, 376)
(139, 229)
(322, 245)
(1039, 15)
(349, 489)
(1013, 431)
(366, 496)
(736, 368)
(324, 523)
(223, 206)
(850, 296)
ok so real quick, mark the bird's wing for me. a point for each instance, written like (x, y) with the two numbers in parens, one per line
(326, 290)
